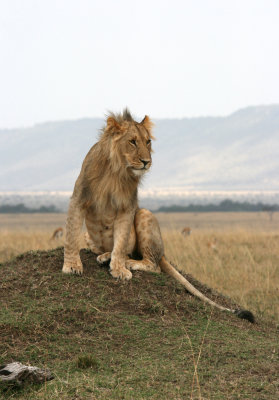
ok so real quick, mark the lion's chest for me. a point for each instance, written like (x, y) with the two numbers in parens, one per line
(100, 229)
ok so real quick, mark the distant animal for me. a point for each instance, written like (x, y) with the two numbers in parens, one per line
(212, 244)
(186, 231)
(57, 234)
(105, 196)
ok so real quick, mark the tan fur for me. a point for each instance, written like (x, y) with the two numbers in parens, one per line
(105, 196)
(105, 193)
(186, 231)
(57, 234)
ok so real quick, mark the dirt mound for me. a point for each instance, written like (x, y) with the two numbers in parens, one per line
(107, 339)
(35, 271)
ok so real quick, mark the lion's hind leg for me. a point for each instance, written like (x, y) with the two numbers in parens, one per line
(149, 243)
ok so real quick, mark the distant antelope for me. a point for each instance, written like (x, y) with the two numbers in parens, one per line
(186, 231)
(57, 234)
(212, 244)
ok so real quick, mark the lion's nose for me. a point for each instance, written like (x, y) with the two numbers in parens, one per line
(145, 162)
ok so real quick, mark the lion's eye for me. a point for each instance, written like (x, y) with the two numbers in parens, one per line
(133, 142)
(148, 141)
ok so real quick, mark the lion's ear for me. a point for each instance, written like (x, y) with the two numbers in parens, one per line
(113, 126)
(147, 123)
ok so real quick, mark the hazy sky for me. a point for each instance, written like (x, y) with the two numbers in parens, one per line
(67, 59)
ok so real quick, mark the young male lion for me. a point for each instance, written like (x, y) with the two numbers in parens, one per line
(105, 196)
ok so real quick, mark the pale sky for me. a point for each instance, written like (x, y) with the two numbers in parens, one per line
(68, 59)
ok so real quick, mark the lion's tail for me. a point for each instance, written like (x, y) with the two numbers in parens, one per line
(170, 270)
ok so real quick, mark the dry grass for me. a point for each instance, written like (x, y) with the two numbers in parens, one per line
(234, 253)
(241, 265)
(220, 222)
(24, 232)
(14, 243)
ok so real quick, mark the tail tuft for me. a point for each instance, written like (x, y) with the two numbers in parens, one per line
(245, 314)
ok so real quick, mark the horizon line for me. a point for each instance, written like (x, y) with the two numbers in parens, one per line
(53, 121)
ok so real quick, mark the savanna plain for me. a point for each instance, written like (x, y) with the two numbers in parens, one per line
(208, 356)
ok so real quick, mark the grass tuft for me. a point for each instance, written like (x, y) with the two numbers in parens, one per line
(87, 361)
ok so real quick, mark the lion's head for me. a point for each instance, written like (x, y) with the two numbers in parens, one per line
(114, 166)
(130, 142)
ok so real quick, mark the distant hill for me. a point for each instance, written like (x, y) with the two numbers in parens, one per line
(237, 152)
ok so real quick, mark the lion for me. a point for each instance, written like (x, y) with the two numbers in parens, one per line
(105, 196)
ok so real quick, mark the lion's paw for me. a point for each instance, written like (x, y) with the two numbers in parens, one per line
(121, 273)
(70, 268)
(104, 258)
(142, 265)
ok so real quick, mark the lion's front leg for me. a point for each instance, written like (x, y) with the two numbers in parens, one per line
(122, 228)
(72, 261)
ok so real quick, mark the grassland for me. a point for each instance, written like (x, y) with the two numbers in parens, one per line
(145, 339)
(234, 253)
